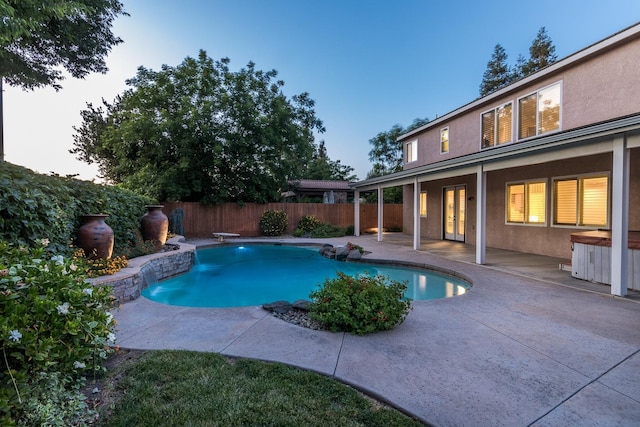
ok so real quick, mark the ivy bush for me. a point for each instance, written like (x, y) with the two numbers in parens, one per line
(360, 305)
(273, 222)
(54, 330)
(34, 205)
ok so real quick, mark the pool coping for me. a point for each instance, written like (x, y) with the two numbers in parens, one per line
(513, 350)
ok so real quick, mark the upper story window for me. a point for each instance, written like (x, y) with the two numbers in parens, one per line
(412, 151)
(581, 201)
(539, 112)
(497, 126)
(444, 140)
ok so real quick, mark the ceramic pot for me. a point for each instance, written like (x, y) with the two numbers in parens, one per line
(95, 237)
(155, 226)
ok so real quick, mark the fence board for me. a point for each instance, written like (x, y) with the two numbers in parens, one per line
(201, 220)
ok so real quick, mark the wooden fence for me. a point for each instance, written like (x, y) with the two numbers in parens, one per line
(201, 220)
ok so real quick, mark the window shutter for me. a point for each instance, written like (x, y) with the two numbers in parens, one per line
(504, 124)
(594, 201)
(566, 201)
(536, 202)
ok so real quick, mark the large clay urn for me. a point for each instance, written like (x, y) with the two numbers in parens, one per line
(155, 226)
(95, 237)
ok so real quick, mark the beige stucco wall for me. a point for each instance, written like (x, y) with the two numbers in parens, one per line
(545, 240)
(602, 88)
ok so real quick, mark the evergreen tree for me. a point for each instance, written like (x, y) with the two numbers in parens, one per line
(322, 167)
(541, 54)
(498, 74)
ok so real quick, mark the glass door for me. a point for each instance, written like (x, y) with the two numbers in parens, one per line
(455, 212)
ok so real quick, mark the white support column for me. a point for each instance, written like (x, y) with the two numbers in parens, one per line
(380, 212)
(356, 213)
(620, 218)
(416, 215)
(481, 213)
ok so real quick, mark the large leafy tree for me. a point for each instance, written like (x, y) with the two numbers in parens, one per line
(386, 156)
(386, 151)
(498, 73)
(39, 39)
(200, 132)
(322, 167)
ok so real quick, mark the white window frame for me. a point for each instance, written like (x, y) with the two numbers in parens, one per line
(412, 151)
(578, 207)
(537, 93)
(448, 139)
(547, 209)
(496, 127)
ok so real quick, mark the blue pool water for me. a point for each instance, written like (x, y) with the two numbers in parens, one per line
(236, 276)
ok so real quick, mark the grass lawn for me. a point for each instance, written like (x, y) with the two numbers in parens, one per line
(185, 388)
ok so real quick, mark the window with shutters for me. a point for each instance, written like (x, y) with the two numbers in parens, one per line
(540, 112)
(581, 201)
(527, 202)
(496, 126)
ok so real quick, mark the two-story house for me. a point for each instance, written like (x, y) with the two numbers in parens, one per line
(529, 166)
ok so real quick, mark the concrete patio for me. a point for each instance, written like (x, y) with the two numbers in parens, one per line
(527, 345)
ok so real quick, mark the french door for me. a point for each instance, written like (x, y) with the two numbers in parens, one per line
(455, 212)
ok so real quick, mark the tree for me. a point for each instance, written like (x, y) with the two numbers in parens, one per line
(200, 132)
(41, 38)
(387, 157)
(542, 53)
(498, 74)
(322, 167)
(386, 154)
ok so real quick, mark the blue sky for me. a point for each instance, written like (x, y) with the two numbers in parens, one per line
(368, 64)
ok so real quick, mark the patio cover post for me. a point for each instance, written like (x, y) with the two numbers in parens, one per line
(356, 212)
(380, 212)
(481, 213)
(416, 214)
(620, 217)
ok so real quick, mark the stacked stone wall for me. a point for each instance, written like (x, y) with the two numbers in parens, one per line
(128, 283)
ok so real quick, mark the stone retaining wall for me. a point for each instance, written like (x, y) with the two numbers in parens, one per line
(129, 282)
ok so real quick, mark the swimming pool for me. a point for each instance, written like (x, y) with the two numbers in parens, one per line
(237, 276)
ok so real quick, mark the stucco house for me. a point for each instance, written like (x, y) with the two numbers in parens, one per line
(541, 166)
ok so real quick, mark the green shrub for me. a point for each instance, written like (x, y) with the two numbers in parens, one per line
(54, 329)
(350, 231)
(360, 304)
(273, 222)
(34, 205)
(326, 230)
(308, 223)
(298, 232)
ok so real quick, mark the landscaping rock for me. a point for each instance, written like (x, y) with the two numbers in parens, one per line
(341, 253)
(280, 307)
(302, 305)
(325, 250)
(354, 255)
